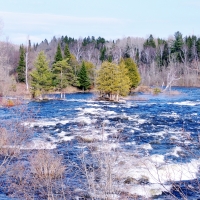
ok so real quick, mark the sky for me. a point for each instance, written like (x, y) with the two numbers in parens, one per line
(111, 19)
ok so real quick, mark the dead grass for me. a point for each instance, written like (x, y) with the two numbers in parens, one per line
(143, 89)
(172, 92)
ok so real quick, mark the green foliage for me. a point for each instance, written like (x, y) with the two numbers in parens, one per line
(177, 45)
(21, 68)
(67, 40)
(90, 68)
(133, 72)
(63, 75)
(41, 77)
(156, 91)
(67, 54)
(125, 81)
(83, 78)
(103, 54)
(113, 79)
(58, 56)
(150, 42)
(198, 47)
(75, 65)
(88, 40)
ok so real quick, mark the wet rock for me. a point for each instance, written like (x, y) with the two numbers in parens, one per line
(130, 180)
(143, 180)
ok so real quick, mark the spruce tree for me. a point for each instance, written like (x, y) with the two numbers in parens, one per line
(41, 77)
(150, 42)
(21, 68)
(177, 45)
(58, 56)
(83, 78)
(67, 54)
(90, 68)
(103, 54)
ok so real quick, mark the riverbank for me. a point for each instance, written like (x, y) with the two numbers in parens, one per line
(20, 94)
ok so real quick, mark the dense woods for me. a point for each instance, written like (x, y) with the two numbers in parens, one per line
(157, 62)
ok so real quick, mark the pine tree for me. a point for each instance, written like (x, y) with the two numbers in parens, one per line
(63, 75)
(133, 72)
(41, 77)
(83, 78)
(21, 68)
(58, 56)
(67, 54)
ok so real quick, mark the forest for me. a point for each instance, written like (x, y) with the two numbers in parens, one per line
(76, 62)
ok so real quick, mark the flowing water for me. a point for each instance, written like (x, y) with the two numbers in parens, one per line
(157, 137)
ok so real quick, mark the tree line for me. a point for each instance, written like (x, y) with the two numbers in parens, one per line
(111, 79)
(160, 61)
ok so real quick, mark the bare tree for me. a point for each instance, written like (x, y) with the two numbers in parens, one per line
(77, 48)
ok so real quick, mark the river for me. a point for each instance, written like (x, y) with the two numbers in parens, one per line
(155, 138)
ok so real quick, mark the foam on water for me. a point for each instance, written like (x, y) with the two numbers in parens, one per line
(46, 122)
(173, 114)
(94, 105)
(146, 191)
(175, 151)
(186, 103)
(94, 111)
(107, 147)
(146, 146)
(39, 144)
(84, 120)
(154, 170)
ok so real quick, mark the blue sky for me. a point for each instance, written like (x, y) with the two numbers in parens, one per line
(112, 19)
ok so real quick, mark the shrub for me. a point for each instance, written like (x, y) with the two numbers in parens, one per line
(156, 91)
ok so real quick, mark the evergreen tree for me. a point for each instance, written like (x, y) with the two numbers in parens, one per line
(41, 77)
(150, 42)
(67, 54)
(124, 79)
(127, 52)
(113, 80)
(133, 72)
(83, 78)
(58, 56)
(21, 68)
(103, 54)
(90, 68)
(198, 47)
(63, 75)
(177, 45)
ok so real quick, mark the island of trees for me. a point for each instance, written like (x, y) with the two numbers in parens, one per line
(112, 67)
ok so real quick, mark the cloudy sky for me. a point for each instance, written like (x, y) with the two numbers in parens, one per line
(112, 19)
